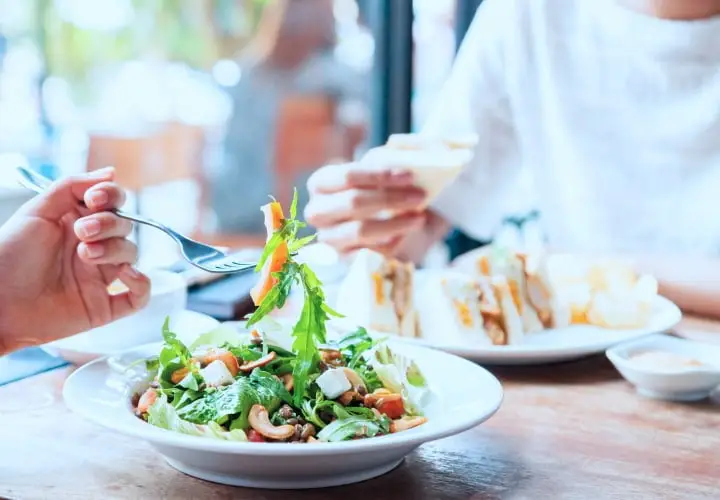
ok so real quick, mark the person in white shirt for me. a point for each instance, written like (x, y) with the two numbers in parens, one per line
(613, 105)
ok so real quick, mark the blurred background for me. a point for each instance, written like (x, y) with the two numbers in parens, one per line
(206, 107)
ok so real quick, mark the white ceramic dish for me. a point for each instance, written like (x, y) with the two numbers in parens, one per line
(168, 297)
(685, 384)
(549, 346)
(563, 344)
(81, 349)
(466, 395)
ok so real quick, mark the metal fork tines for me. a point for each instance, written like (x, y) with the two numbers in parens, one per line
(202, 256)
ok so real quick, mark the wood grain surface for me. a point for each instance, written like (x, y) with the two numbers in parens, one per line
(566, 431)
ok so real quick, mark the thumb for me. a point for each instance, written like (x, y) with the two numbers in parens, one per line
(66, 195)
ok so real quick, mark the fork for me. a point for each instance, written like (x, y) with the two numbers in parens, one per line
(202, 256)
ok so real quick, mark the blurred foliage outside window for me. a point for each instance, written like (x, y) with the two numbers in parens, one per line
(78, 36)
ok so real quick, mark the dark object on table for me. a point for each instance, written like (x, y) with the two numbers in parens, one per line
(225, 298)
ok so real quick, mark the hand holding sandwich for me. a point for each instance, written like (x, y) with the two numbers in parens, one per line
(380, 202)
(347, 201)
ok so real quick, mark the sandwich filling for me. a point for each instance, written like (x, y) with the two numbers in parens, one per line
(393, 281)
(477, 308)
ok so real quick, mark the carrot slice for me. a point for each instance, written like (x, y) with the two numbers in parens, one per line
(273, 217)
(273, 222)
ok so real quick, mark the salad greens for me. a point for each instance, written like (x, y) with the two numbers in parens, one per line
(163, 414)
(230, 386)
(310, 328)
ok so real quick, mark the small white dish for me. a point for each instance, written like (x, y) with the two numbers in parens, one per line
(667, 381)
(168, 297)
(465, 396)
(81, 349)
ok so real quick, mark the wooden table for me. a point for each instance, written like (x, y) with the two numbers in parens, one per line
(568, 431)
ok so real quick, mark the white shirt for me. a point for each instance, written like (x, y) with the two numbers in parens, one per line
(616, 115)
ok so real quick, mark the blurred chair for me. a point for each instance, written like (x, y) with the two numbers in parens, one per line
(166, 154)
(305, 139)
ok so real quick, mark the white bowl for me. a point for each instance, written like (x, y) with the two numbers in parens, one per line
(684, 384)
(466, 395)
(168, 297)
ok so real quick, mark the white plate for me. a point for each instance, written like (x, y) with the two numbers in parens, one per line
(81, 349)
(563, 344)
(555, 345)
(466, 395)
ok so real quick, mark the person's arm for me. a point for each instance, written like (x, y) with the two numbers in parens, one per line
(475, 100)
(692, 283)
(345, 200)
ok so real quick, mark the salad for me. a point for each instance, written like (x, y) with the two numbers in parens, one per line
(239, 387)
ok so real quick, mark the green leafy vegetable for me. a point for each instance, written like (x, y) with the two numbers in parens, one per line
(354, 345)
(223, 334)
(352, 427)
(162, 414)
(402, 375)
(310, 327)
(235, 400)
(175, 356)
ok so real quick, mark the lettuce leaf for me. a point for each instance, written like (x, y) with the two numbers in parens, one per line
(223, 334)
(162, 414)
(402, 375)
(235, 400)
(353, 426)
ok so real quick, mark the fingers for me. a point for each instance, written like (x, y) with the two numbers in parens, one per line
(324, 210)
(104, 196)
(370, 233)
(109, 251)
(335, 178)
(102, 226)
(137, 295)
(66, 195)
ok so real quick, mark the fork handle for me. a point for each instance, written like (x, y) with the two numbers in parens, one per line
(39, 183)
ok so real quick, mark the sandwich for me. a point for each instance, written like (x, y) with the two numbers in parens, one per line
(538, 304)
(423, 142)
(434, 162)
(378, 293)
(463, 310)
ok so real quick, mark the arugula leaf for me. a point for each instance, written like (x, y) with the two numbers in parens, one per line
(370, 377)
(310, 327)
(354, 345)
(296, 245)
(151, 365)
(172, 344)
(278, 295)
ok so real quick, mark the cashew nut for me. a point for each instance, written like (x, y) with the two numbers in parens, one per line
(248, 367)
(287, 379)
(260, 421)
(377, 399)
(403, 424)
(348, 397)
